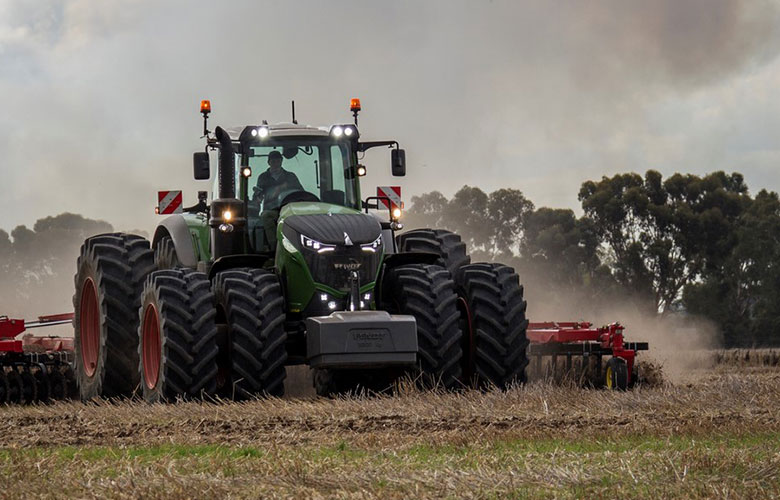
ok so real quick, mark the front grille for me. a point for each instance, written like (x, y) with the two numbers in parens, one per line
(334, 268)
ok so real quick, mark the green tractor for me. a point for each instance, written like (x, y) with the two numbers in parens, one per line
(287, 266)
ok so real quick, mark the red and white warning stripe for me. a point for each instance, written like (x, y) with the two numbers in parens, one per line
(392, 192)
(169, 202)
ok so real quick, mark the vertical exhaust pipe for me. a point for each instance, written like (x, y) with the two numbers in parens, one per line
(228, 214)
(227, 166)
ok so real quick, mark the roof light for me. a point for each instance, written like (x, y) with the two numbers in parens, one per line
(205, 106)
(348, 131)
(262, 132)
(354, 104)
(254, 132)
(337, 131)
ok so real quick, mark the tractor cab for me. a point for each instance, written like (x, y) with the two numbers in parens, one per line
(288, 163)
(287, 197)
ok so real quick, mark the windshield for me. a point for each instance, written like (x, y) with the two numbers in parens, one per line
(295, 169)
(320, 168)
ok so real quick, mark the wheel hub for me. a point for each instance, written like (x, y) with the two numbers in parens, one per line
(151, 348)
(89, 327)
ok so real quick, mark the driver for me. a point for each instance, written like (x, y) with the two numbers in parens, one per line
(270, 184)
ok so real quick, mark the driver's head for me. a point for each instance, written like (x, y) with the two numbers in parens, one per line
(275, 161)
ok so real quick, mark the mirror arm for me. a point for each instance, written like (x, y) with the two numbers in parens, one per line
(201, 207)
(364, 146)
(375, 206)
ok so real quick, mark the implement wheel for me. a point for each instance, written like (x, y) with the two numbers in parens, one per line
(427, 292)
(109, 280)
(29, 387)
(15, 390)
(58, 385)
(3, 386)
(446, 244)
(495, 307)
(251, 304)
(177, 336)
(616, 374)
(43, 385)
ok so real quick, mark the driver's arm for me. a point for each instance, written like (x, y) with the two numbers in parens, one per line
(261, 189)
(293, 182)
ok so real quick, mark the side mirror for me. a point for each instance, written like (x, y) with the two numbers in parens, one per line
(201, 167)
(398, 162)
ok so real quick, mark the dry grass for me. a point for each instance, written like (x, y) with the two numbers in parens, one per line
(716, 437)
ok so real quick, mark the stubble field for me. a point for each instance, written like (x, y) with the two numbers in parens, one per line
(714, 434)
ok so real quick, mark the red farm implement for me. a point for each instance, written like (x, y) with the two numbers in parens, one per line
(579, 348)
(34, 368)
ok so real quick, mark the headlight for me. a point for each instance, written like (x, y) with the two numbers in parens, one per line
(373, 247)
(316, 245)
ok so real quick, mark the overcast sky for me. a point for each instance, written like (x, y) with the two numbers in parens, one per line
(100, 98)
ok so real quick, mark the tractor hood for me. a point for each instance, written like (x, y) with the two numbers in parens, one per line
(330, 224)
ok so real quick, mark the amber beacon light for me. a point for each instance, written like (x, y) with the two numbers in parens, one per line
(354, 105)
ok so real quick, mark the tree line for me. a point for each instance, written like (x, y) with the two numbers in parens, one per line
(37, 264)
(684, 245)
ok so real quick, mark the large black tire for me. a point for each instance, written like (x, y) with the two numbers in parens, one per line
(177, 336)
(446, 244)
(251, 303)
(427, 292)
(165, 254)
(496, 312)
(109, 279)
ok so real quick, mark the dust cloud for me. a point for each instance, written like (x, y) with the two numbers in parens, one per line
(681, 344)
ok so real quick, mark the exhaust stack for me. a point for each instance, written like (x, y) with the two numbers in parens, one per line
(227, 175)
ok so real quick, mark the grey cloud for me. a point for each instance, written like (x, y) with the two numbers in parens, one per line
(535, 95)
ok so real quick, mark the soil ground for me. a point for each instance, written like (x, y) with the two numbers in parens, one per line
(716, 435)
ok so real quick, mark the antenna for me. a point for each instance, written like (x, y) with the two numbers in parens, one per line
(293, 113)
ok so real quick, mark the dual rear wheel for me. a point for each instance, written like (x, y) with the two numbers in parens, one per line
(188, 348)
(157, 332)
(491, 310)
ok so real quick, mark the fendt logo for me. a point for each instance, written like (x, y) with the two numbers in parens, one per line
(352, 265)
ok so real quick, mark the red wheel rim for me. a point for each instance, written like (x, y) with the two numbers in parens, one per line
(151, 349)
(89, 327)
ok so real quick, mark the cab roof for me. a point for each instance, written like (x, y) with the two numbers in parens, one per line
(280, 129)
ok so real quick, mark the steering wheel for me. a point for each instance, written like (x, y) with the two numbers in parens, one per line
(294, 196)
